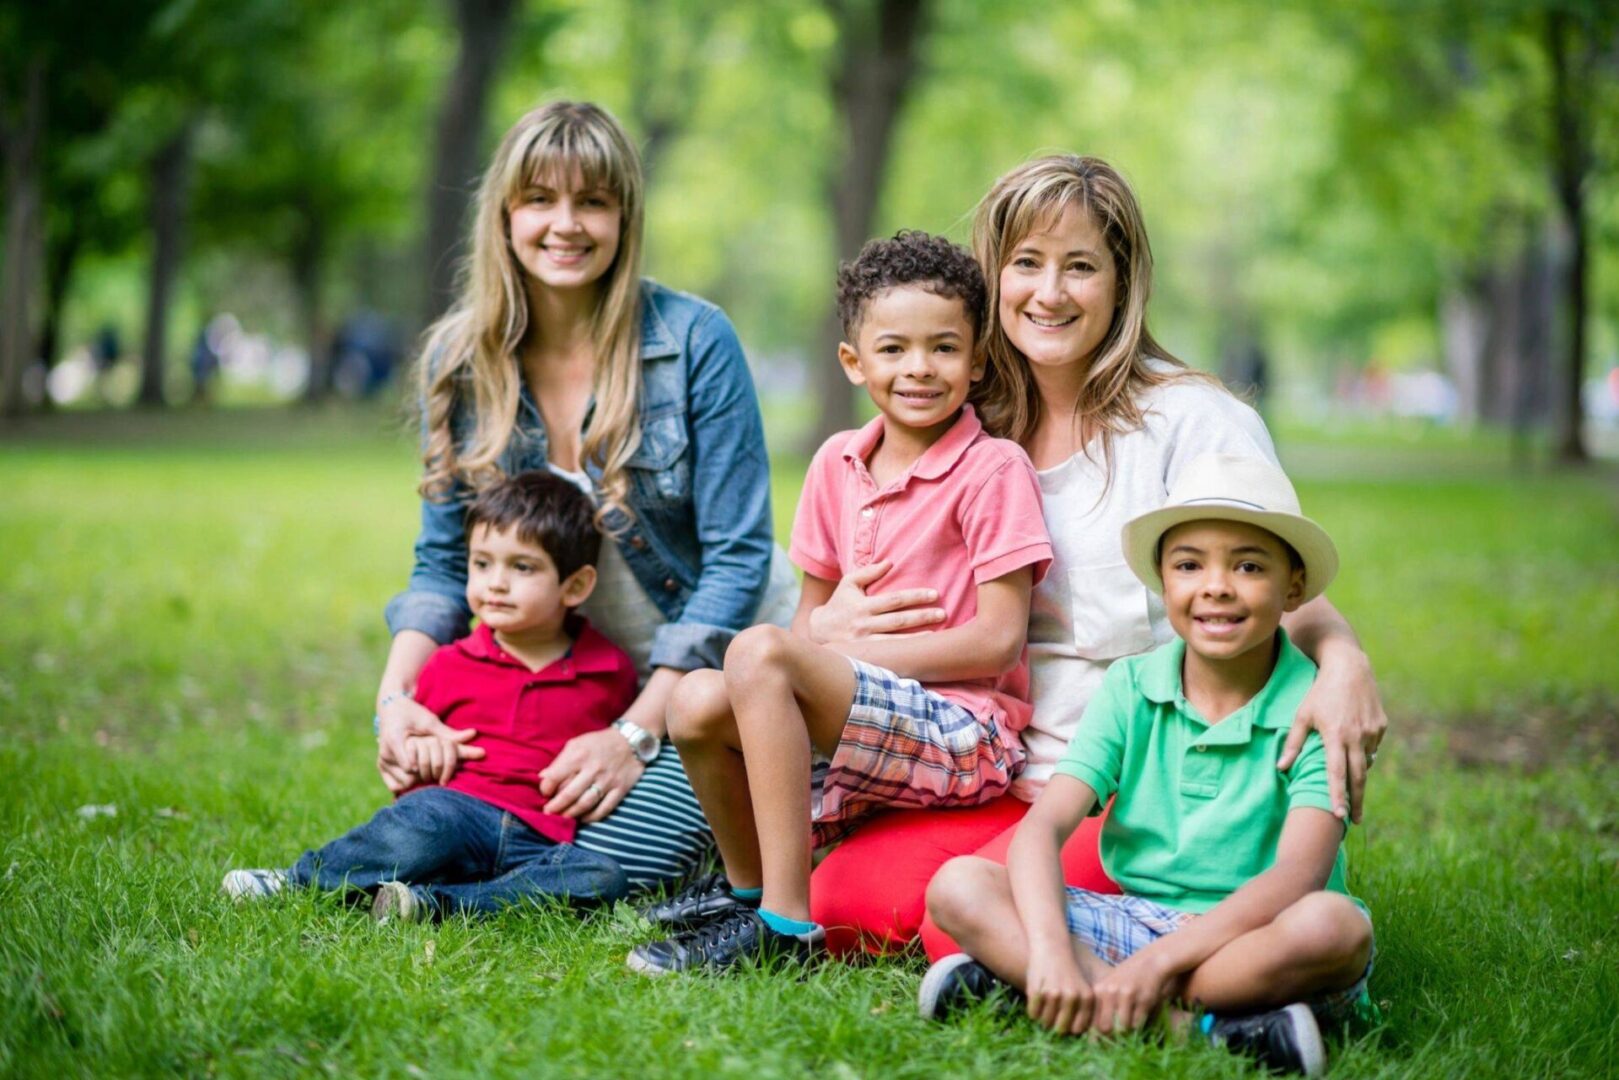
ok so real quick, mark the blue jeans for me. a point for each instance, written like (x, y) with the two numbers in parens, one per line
(461, 856)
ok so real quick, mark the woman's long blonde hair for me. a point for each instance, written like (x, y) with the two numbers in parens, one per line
(1032, 196)
(471, 353)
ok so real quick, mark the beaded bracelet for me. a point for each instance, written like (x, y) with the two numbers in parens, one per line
(387, 700)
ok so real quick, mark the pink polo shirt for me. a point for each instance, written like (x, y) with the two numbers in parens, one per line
(524, 718)
(966, 512)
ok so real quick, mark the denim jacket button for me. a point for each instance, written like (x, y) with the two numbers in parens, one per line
(638, 542)
(671, 584)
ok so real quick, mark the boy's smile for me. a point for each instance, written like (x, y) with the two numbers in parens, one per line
(1226, 587)
(916, 357)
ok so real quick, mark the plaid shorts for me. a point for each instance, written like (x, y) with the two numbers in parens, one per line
(1115, 927)
(906, 746)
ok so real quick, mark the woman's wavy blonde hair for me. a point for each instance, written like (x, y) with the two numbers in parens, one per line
(471, 353)
(1032, 196)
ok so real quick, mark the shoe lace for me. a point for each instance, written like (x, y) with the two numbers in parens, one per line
(707, 939)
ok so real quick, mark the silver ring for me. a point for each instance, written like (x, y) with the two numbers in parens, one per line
(600, 794)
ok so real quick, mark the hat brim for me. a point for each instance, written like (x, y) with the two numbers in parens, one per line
(1141, 535)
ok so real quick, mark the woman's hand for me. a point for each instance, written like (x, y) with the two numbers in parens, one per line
(591, 776)
(1344, 706)
(1059, 996)
(397, 760)
(851, 614)
(1129, 995)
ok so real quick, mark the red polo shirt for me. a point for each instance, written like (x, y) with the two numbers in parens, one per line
(524, 718)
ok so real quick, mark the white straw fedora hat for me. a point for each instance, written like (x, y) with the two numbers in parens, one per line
(1225, 487)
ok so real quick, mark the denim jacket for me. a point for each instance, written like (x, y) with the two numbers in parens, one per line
(700, 539)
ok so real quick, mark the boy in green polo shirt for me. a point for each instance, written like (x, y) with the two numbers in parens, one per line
(1234, 899)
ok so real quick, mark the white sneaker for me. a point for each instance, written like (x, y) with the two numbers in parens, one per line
(396, 902)
(253, 884)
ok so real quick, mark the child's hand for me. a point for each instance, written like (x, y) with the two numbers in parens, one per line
(432, 758)
(1059, 995)
(1129, 995)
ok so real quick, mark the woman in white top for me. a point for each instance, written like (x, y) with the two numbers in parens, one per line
(1109, 418)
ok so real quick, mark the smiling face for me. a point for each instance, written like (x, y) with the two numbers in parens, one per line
(1058, 289)
(915, 354)
(564, 233)
(513, 586)
(1226, 586)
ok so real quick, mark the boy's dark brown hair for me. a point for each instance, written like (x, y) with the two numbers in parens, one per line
(547, 511)
(910, 258)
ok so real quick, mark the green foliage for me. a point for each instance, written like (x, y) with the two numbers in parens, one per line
(192, 633)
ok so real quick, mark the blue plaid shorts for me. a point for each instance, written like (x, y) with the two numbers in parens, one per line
(1116, 927)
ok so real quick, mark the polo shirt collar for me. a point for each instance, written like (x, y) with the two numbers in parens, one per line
(939, 459)
(1273, 707)
(592, 654)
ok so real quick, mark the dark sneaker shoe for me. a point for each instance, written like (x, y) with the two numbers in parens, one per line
(958, 982)
(702, 900)
(1286, 1040)
(253, 884)
(734, 937)
(396, 902)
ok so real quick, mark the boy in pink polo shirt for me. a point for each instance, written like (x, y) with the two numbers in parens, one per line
(926, 719)
(529, 678)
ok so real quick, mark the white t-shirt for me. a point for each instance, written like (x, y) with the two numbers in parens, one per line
(621, 610)
(1090, 609)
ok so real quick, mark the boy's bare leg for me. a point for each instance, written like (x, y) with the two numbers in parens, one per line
(704, 731)
(788, 695)
(971, 900)
(1320, 943)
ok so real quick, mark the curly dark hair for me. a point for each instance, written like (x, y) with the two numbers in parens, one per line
(547, 511)
(912, 257)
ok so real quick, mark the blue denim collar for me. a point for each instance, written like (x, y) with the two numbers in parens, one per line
(657, 343)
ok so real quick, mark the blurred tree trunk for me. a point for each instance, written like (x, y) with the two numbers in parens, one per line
(1572, 161)
(1499, 329)
(878, 43)
(22, 144)
(170, 175)
(666, 48)
(308, 279)
(60, 260)
(483, 25)
(1464, 317)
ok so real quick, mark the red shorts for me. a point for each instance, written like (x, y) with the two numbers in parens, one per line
(870, 893)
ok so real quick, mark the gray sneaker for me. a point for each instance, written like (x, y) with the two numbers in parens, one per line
(959, 982)
(253, 884)
(397, 902)
(1287, 1040)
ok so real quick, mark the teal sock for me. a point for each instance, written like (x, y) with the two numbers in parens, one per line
(783, 925)
(748, 894)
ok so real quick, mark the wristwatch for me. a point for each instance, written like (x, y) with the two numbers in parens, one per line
(645, 744)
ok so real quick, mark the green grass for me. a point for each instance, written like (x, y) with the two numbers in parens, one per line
(191, 631)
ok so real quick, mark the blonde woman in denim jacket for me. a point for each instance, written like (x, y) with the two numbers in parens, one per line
(558, 355)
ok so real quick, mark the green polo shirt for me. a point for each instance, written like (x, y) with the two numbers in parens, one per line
(1200, 806)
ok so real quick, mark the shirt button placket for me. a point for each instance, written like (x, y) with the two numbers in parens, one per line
(864, 533)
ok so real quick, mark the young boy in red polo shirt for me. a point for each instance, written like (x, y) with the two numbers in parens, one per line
(907, 720)
(529, 678)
